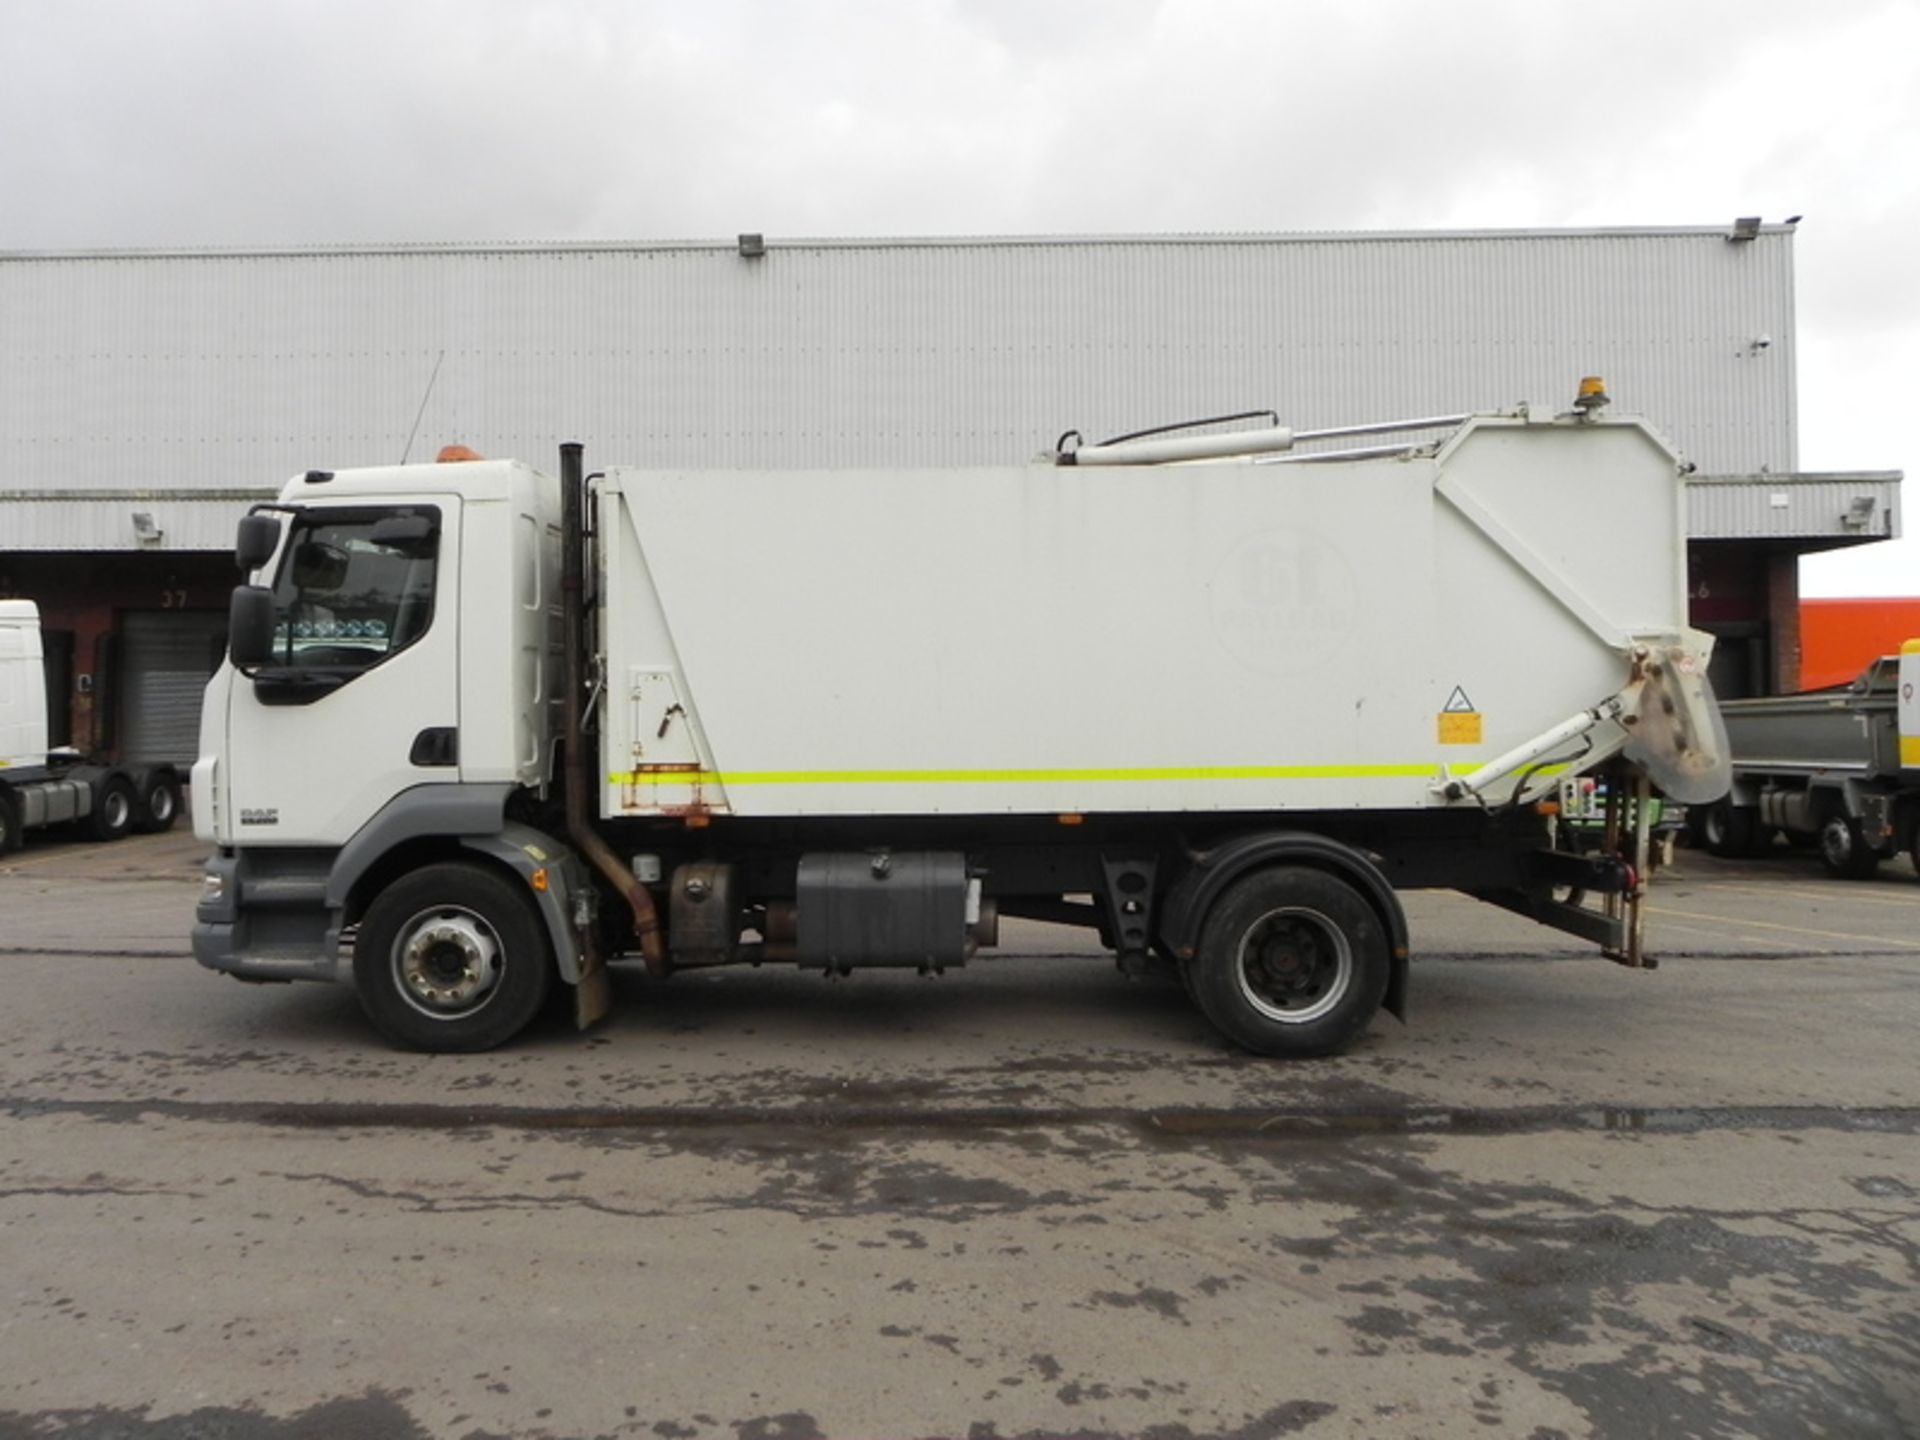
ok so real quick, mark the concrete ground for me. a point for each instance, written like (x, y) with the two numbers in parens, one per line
(1031, 1199)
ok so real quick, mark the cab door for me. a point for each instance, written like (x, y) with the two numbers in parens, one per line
(360, 700)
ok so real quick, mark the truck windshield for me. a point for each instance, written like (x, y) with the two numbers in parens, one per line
(355, 587)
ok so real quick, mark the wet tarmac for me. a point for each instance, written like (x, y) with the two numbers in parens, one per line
(1032, 1199)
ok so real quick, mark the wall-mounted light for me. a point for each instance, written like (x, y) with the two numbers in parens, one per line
(752, 247)
(1859, 512)
(145, 532)
(1747, 227)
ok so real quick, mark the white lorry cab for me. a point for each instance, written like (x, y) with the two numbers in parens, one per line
(1215, 696)
(47, 786)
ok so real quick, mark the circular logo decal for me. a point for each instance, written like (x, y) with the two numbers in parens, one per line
(1283, 601)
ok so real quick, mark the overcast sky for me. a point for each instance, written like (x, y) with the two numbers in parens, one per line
(235, 122)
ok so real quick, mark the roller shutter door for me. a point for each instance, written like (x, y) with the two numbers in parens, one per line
(166, 659)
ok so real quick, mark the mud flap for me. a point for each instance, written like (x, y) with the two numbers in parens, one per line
(593, 992)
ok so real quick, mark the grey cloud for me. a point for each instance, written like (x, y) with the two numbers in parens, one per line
(231, 122)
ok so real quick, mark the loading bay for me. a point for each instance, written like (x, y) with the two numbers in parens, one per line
(1032, 1199)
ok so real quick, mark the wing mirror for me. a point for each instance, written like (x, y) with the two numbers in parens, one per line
(250, 626)
(259, 537)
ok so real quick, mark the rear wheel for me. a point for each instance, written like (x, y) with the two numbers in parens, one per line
(1291, 962)
(112, 816)
(452, 958)
(1844, 850)
(159, 806)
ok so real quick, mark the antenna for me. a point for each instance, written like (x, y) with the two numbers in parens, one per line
(423, 405)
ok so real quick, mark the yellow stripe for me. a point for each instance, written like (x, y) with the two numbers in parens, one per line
(1019, 777)
(1909, 751)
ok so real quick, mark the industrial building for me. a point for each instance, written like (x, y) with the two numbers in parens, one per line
(148, 398)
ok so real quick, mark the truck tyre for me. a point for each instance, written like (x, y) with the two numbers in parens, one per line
(159, 805)
(1844, 850)
(12, 828)
(452, 958)
(1291, 962)
(113, 810)
(1729, 831)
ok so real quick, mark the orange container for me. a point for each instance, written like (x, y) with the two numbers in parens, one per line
(1840, 638)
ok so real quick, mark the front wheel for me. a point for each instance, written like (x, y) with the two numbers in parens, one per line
(1844, 850)
(1292, 962)
(452, 958)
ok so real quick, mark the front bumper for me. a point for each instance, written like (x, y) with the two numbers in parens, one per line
(232, 951)
(265, 928)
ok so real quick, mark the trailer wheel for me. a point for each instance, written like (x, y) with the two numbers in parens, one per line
(1844, 850)
(112, 816)
(159, 806)
(1292, 962)
(451, 958)
(12, 829)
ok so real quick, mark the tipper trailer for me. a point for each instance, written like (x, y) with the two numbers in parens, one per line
(1212, 699)
(1836, 768)
(44, 787)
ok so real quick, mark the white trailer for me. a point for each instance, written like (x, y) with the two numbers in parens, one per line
(42, 787)
(1212, 699)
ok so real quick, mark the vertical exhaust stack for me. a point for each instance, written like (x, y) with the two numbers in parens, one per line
(593, 992)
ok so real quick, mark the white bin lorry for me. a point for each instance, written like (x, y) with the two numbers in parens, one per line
(42, 787)
(481, 733)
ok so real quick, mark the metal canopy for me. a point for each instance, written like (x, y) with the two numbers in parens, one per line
(1810, 510)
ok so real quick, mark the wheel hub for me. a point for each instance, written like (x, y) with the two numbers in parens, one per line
(448, 963)
(1287, 954)
(1294, 965)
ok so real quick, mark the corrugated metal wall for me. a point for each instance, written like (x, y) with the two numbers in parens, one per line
(185, 371)
(97, 520)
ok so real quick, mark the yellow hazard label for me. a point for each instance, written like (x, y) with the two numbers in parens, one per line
(1909, 752)
(1460, 727)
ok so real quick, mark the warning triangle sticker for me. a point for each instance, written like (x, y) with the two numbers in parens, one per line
(1457, 703)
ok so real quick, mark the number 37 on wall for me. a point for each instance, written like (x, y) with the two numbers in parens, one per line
(173, 599)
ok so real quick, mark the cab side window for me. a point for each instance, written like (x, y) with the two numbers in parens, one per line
(355, 587)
